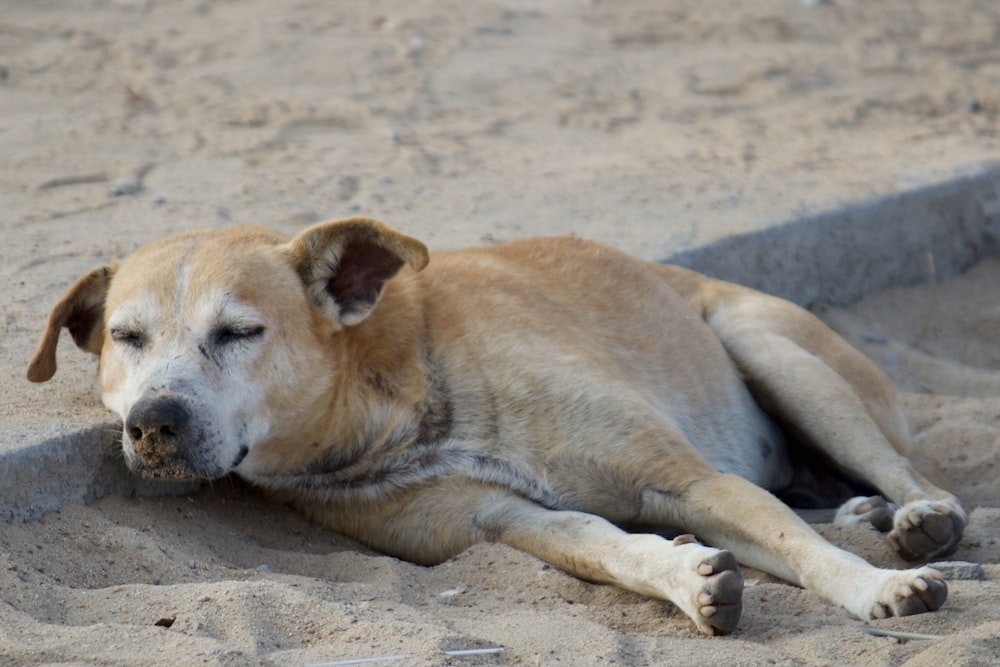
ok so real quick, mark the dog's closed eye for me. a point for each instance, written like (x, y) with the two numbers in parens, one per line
(129, 337)
(226, 335)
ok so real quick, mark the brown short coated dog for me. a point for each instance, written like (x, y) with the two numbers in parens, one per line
(542, 394)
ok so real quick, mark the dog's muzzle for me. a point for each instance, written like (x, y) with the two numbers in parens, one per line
(164, 438)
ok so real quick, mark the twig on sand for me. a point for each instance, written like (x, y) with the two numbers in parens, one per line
(897, 634)
(76, 179)
(123, 186)
(474, 651)
(359, 661)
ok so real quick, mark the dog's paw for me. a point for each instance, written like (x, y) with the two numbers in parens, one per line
(718, 596)
(874, 510)
(909, 592)
(927, 529)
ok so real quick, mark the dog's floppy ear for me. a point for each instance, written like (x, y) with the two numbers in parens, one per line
(346, 263)
(81, 311)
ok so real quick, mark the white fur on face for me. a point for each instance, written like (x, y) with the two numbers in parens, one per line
(196, 348)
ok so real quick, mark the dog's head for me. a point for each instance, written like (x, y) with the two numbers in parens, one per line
(214, 342)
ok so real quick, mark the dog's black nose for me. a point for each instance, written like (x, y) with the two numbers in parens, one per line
(156, 426)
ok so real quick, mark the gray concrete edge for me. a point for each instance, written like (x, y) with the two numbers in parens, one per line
(838, 256)
(72, 463)
(835, 257)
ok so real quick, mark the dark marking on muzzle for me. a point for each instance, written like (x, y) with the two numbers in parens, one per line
(240, 455)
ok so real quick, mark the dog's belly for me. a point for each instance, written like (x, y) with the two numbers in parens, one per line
(575, 360)
(745, 442)
(573, 421)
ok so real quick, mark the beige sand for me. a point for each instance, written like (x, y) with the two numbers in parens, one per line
(652, 125)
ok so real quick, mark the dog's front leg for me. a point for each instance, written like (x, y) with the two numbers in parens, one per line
(703, 582)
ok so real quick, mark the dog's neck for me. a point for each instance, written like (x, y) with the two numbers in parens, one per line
(383, 399)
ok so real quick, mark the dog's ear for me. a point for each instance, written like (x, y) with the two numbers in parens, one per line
(81, 311)
(346, 263)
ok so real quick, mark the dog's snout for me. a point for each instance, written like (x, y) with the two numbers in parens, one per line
(156, 426)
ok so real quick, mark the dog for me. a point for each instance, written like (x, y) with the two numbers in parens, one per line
(542, 394)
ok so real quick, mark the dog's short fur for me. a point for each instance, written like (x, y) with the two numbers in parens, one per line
(540, 394)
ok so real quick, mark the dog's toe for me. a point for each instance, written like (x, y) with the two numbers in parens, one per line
(720, 599)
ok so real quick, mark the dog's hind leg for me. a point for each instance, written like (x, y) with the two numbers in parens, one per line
(730, 512)
(837, 400)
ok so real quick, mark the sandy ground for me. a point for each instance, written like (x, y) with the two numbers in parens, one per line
(653, 126)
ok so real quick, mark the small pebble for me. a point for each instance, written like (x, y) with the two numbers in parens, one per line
(872, 337)
(972, 105)
(125, 186)
(960, 570)
(415, 45)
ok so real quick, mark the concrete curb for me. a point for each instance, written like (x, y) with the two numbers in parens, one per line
(838, 256)
(834, 257)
